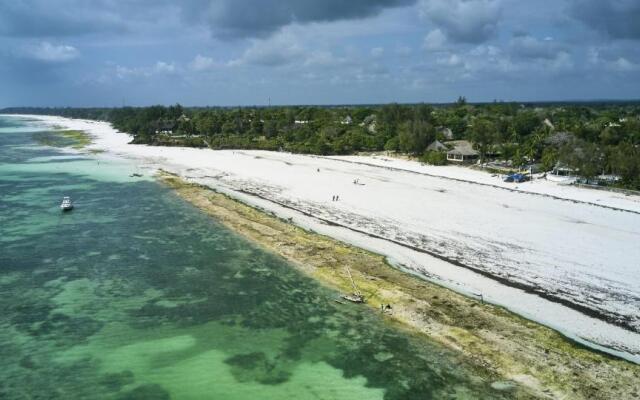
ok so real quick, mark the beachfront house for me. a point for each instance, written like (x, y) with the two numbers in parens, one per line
(461, 151)
(562, 173)
(347, 120)
(164, 127)
(563, 170)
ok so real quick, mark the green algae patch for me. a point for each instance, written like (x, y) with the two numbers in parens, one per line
(516, 352)
(63, 138)
(80, 138)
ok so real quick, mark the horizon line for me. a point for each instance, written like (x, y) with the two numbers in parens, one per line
(496, 101)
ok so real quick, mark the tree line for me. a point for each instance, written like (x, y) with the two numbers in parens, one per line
(591, 138)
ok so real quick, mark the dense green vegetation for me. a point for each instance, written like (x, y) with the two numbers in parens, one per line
(592, 138)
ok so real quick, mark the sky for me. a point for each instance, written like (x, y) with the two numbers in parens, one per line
(250, 52)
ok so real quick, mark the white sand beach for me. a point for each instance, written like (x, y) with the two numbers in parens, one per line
(564, 256)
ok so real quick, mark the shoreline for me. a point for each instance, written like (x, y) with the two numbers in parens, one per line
(526, 288)
(489, 336)
(529, 306)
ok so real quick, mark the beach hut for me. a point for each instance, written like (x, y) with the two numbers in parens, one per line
(462, 151)
(562, 174)
(164, 127)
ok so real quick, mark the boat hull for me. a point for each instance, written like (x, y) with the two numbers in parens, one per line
(561, 179)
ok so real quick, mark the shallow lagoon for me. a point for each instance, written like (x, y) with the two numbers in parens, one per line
(137, 295)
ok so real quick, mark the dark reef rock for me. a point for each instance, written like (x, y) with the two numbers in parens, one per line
(146, 392)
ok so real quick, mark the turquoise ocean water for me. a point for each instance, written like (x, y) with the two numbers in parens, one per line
(136, 294)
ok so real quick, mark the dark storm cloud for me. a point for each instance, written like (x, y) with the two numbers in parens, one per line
(29, 70)
(225, 18)
(249, 18)
(177, 50)
(619, 19)
(465, 21)
(42, 18)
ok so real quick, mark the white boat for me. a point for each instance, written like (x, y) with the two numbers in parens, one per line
(354, 298)
(66, 204)
(562, 175)
(561, 179)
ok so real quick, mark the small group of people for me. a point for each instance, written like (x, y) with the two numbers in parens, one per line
(356, 181)
(335, 198)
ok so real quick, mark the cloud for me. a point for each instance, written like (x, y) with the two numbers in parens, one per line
(528, 47)
(323, 59)
(201, 63)
(279, 50)
(165, 68)
(45, 18)
(288, 49)
(488, 52)
(624, 65)
(50, 53)
(290, 46)
(403, 50)
(225, 18)
(452, 60)
(122, 72)
(492, 63)
(608, 59)
(465, 21)
(377, 52)
(251, 19)
(435, 40)
(159, 68)
(618, 19)
(369, 73)
(562, 62)
(545, 54)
